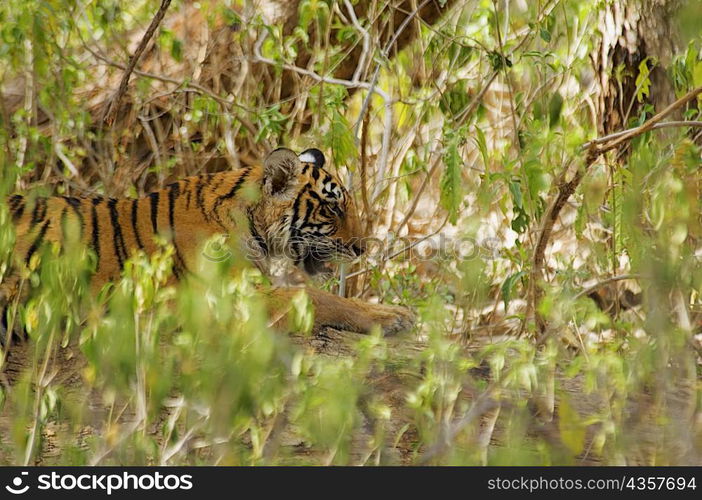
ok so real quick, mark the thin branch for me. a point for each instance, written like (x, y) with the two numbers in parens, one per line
(108, 117)
(28, 100)
(607, 281)
(58, 149)
(367, 212)
(258, 57)
(650, 124)
(615, 135)
(366, 42)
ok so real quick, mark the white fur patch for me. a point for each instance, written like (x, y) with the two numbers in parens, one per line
(307, 158)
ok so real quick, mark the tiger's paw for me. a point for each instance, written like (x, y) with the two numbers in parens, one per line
(393, 319)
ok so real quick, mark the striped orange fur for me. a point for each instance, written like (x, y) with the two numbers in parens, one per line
(290, 209)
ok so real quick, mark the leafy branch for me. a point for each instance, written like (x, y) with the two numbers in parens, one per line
(595, 149)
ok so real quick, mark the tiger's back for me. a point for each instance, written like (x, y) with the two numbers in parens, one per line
(186, 212)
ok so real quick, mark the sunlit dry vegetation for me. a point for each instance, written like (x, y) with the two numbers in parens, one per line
(552, 261)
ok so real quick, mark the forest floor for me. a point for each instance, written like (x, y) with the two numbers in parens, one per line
(390, 387)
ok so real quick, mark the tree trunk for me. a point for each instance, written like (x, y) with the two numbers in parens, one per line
(632, 31)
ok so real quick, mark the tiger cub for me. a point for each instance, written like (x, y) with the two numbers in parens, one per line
(290, 210)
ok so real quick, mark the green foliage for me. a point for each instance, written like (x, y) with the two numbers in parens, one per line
(451, 179)
(271, 122)
(146, 372)
(520, 222)
(339, 139)
(508, 287)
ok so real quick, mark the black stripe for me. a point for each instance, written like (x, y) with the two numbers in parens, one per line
(295, 210)
(37, 242)
(135, 225)
(236, 185)
(199, 200)
(213, 187)
(294, 231)
(218, 181)
(17, 205)
(14, 200)
(316, 196)
(117, 239)
(96, 230)
(173, 193)
(4, 323)
(186, 188)
(63, 221)
(39, 210)
(254, 232)
(308, 210)
(76, 205)
(230, 194)
(154, 198)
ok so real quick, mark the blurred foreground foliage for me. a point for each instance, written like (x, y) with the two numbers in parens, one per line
(193, 374)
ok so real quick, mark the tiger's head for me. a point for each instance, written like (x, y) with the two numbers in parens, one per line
(305, 213)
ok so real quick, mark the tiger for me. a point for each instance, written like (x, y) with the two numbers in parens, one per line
(290, 208)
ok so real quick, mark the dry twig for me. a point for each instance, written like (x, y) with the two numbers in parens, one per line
(111, 110)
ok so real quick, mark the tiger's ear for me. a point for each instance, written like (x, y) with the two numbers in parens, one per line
(280, 170)
(313, 156)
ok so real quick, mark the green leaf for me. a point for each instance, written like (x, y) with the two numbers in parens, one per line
(177, 49)
(231, 17)
(498, 61)
(451, 188)
(697, 74)
(482, 145)
(643, 82)
(520, 222)
(580, 220)
(516, 191)
(340, 139)
(508, 286)
(538, 182)
(455, 99)
(460, 54)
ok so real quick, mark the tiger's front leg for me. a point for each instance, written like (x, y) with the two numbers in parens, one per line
(341, 313)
